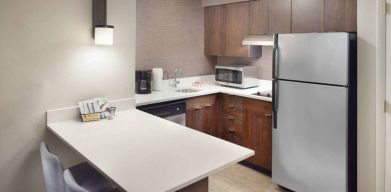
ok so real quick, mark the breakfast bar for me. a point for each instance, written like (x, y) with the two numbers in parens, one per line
(141, 152)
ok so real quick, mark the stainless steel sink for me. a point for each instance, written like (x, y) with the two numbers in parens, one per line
(188, 90)
(264, 94)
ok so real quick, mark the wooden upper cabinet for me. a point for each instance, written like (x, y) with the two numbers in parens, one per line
(351, 15)
(334, 14)
(307, 16)
(280, 12)
(225, 28)
(236, 29)
(214, 36)
(259, 17)
(340, 15)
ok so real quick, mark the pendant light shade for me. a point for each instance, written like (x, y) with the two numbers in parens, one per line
(104, 34)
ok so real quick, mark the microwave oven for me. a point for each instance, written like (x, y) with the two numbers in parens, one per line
(239, 76)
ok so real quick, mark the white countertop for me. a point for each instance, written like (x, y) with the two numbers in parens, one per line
(141, 152)
(209, 87)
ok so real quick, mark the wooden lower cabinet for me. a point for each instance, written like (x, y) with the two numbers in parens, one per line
(243, 121)
(258, 120)
(201, 114)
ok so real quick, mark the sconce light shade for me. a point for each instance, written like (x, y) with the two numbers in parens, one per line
(104, 34)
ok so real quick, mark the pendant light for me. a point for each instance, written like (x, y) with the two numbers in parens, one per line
(103, 33)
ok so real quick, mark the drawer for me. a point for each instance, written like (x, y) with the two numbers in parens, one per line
(202, 101)
(232, 130)
(232, 104)
(232, 124)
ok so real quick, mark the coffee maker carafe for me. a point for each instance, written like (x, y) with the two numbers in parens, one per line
(143, 82)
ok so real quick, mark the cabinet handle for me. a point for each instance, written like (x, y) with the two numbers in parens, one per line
(208, 105)
(197, 108)
(268, 115)
(230, 118)
(231, 130)
(231, 106)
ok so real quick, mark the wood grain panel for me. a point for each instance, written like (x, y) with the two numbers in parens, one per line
(280, 12)
(236, 29)
(258, 121)
(259, 17)
(351, 15)
(307, 16)
(334, 15)
(214, 35)
(200, 186)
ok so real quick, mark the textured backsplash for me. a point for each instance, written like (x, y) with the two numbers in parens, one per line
(170, 34)
(264, 63)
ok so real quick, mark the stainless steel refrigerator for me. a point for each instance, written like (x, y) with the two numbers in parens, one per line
(314, 112)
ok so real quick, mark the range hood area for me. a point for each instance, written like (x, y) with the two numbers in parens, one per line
(259, 40)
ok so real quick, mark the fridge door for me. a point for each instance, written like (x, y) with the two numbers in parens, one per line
(310, 141)
(313, 57)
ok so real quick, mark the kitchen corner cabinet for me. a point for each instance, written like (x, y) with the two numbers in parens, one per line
(225, 28)
(258, 121)
(201, 114)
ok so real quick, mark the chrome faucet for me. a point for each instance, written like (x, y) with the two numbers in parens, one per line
(177, 72)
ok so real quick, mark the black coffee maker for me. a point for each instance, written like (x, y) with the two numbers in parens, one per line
(143, 82)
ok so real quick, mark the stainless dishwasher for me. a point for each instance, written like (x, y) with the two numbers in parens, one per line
(174, 111)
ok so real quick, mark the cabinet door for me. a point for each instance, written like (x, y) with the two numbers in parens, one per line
(201, 114)
(214, 28)
(233, 130)
(195, 118)
(334, 14)
(351, 15)
(258, 121)
(340, 15)
(210, 125)
(259, 17)
(307, 16)
(280, 12)
(236, 29)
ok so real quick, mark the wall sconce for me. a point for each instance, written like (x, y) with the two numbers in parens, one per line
(103, 33)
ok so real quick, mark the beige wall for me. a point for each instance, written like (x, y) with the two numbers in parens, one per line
(370, 97)
(170, 34)
(48, 61)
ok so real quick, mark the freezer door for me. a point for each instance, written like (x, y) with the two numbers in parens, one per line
(313, 57)
(310, 141)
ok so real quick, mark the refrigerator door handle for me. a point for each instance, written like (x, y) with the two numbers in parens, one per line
(275, 57)
(275, 102)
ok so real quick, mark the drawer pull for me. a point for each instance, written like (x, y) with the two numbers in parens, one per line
(268, 115)
(231, 130)
(231, 106)
(208, 105)
(197, 108)
(230, 118)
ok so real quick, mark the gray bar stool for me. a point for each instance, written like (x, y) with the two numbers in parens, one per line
(79, 178)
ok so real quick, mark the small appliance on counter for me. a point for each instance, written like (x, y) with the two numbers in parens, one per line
(157, 79)
(143, 82)
(239, 76)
